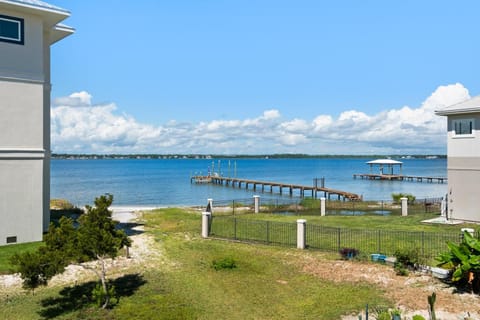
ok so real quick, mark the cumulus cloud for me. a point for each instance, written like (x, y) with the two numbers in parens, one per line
(78, 126)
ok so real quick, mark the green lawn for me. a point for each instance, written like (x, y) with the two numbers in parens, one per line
(267, 282)
(7, 251)
(412, 222)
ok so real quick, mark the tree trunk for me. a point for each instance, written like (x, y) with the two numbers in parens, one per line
(104, 283)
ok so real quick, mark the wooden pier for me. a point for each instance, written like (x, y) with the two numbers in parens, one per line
(370, 176)
(267, 186)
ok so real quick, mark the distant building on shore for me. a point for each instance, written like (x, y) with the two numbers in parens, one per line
(463, 144)
(27, 30)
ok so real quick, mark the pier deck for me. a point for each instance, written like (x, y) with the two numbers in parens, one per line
(268, 186)
(370, 176)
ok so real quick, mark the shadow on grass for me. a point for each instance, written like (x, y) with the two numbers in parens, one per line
(130, 228)
(80, 296)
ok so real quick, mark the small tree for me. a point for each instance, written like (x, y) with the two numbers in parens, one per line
(96, 238)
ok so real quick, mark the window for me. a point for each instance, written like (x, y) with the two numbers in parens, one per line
(12, 239)
(463, 126)
(11, 29)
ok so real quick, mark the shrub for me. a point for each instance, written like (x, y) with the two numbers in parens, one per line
(61, 204)
(418, 317)
(384, 315)
(396, 197)
(407, 259)
(224, 263)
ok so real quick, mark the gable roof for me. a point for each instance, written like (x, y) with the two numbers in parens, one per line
(469, 106)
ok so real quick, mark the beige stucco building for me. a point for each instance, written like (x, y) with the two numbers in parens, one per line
(463, 145)
(27, 30)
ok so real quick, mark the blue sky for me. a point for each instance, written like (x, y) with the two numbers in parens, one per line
(261, 76)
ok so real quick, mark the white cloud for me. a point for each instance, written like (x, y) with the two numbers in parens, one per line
(78, 126)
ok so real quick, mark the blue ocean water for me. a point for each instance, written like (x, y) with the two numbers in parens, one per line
(166, 182)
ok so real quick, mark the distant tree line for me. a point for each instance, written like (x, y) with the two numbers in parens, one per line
(235, 156)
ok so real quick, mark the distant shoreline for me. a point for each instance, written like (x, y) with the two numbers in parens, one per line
(257, 156)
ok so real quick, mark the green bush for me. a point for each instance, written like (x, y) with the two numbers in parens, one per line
(384, 315)
(224, 263)
(407, 259)
(397, 196)
(418, 317)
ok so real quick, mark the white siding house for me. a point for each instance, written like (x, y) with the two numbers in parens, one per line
(27, 30)
(463, 145)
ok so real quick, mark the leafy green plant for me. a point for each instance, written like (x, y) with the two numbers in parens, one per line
(384, 315)
(418, 317)
(464, 260)
(400, 269)
(99, 295)
(407, 259)
(224, 263)
(431, 306)
(397, 196)
(396, 314)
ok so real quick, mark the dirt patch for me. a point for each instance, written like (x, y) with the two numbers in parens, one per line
(409, 293)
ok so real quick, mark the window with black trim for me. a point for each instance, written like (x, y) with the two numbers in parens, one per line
(463, 126)
(11, 29)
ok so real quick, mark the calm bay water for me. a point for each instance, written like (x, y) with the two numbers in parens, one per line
(166, 182)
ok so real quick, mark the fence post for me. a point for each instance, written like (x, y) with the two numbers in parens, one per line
(301, 234)
(322, 206)
(268, 231)
(404, 206)
(379, 242)
(210, 205)
(205, 224)
(339, 234)
(256, 200)
(235, 228)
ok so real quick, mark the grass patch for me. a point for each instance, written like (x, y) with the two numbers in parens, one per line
(408, 223)
(267, 282)
(9, 250)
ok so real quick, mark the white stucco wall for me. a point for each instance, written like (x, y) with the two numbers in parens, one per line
(21, 119)
(24, 61)
(25, 128)
(464, 145)
(464, 193)
(20, 208)
(464, 170)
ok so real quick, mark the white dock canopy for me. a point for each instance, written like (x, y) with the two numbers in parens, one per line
(385, 163)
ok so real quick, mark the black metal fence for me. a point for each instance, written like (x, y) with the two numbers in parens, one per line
(429, 244)
(270, 232)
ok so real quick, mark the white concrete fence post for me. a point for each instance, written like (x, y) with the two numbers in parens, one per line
(210, 205)
(257, 203)
(206, 224)
(469, 230)
(404, 206)
(322, 206)
(301, 233)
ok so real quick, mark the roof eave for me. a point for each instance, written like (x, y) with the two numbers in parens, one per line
(52, 15)
(60, 32)
(457, 111)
